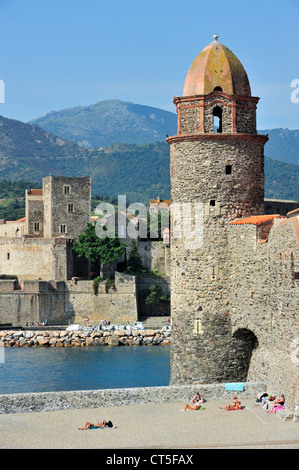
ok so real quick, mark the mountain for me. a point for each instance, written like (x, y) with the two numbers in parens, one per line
(141, 172)
(29, 152)
(283, 145)
(110, 122)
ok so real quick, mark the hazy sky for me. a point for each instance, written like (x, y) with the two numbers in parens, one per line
(57, 54)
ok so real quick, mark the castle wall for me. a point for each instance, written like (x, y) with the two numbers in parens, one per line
(67, 203)
(34, 215)
(34, 258)
(119, 304)
(69, 301)
(154, 255)
(11, 229)
(34, 301)
(264, 301)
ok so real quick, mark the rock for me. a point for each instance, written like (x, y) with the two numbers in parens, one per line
(113, 341)
(43, 341)
(29, 334)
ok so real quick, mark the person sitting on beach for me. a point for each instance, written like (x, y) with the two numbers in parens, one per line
(197, 398)
(196, 406)
(235, 406)
(277, 402)
(102, 424)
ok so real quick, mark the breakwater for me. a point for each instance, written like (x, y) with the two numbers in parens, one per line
(19, 338)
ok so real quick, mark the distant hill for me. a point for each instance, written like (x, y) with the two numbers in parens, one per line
(283, 145)
(28, 152)
(110, 122)
(141, 172)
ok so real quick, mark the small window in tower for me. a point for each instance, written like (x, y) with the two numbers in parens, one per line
(217, 88)
(228, 170)
(36, 226)
(217, 113)
(62, 228)
(8, 256)
(66, 189)
(296, 276)
(70, 207)
(212, 202)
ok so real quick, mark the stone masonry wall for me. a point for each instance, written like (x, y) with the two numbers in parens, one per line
(264, 302)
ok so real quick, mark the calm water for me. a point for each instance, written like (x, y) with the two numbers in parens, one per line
(56, 369)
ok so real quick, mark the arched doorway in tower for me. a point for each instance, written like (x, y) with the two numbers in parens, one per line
(245, 343)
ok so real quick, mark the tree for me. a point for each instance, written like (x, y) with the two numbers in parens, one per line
(98, 251)
(134, 258)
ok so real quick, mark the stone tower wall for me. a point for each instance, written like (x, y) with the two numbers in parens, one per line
(223, 173)
(263, 300)
(57, 202)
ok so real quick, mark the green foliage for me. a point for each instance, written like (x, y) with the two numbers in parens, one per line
(155, 295)
(282, 180)
(134, 259)
(12, 198)
(109, 284)
(98, 250)
(96, 282)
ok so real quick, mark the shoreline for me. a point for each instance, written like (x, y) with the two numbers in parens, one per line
(63, 338)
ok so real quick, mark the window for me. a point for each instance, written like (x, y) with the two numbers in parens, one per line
(228, 170)
(36, 226)
(67, 189)
(217, 113)
(296, 276)
(8, 256)
(212, 202)
(62, 228)
(70, 207)
(217, 88)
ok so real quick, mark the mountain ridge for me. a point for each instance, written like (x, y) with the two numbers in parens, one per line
(141, 171)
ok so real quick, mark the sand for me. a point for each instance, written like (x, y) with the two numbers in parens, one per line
(150, 426)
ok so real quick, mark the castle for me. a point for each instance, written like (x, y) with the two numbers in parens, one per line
(234, 296)
(39, 246)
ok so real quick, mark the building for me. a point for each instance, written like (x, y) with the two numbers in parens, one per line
(234, 293)
(39, 246)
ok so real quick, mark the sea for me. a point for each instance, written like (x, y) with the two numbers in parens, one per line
(32, 370)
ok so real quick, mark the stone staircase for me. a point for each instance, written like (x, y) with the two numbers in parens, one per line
(154, 323)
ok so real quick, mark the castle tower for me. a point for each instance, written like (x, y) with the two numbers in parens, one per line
(216, 164)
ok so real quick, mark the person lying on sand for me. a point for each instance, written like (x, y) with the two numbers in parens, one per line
(102, 424)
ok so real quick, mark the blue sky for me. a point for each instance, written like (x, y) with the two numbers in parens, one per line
(57, 54)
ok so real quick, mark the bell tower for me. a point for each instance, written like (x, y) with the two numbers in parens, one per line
(216, 163)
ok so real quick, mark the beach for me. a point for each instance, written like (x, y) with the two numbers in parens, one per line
(151, 426)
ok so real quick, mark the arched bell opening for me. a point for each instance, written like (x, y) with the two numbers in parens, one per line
(217, 113)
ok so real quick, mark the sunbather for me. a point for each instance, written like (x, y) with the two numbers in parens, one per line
(277, 402)
(102, 424)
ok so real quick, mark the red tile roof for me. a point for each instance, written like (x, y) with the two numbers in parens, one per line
(35, 192)
(256, 219)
